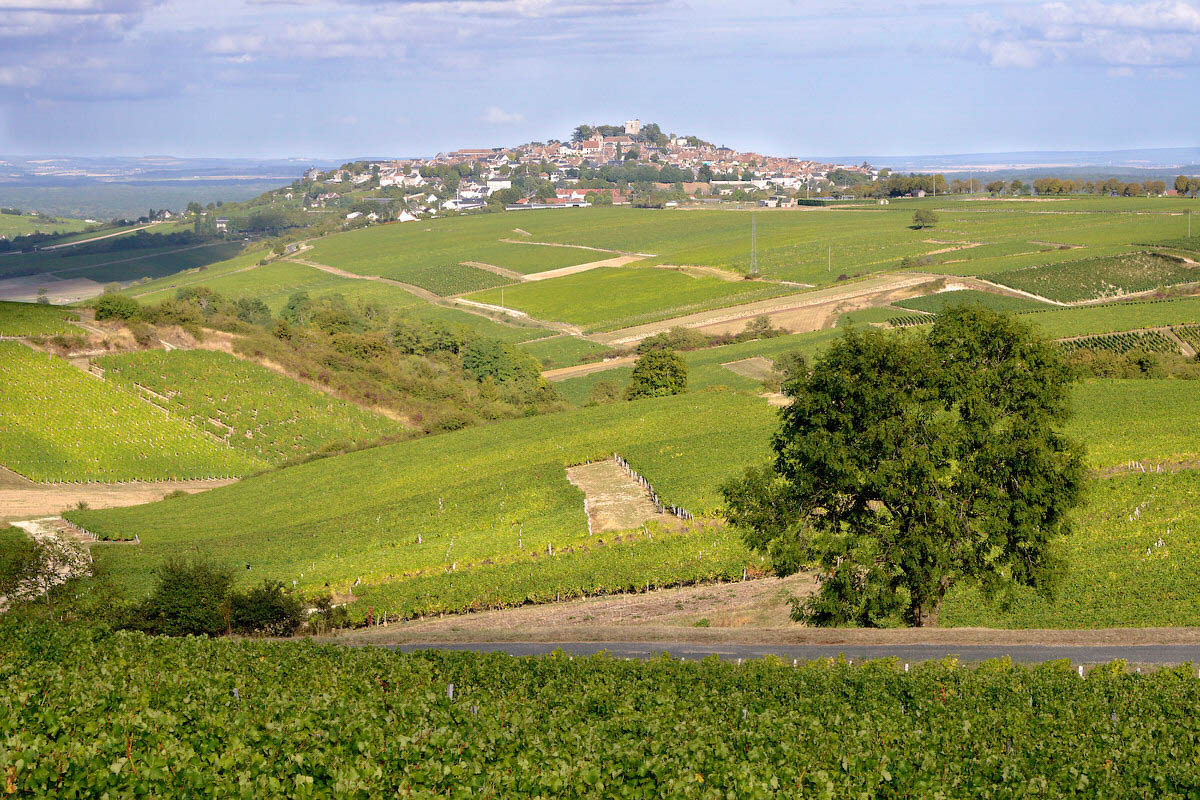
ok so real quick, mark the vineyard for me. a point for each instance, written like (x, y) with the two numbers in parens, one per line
(1096, 278)
(1114, 317)
(58, 424)
(267, 416)
(449, 502)
(909, 320)
(1189, 334)
(123, 715)
(1132, 555)
(34, 319)
(1120, 343)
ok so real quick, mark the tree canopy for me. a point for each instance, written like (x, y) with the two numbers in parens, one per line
(658, 373)
(923, 218)
(907, 464)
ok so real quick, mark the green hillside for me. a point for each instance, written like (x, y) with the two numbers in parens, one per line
(59, 424)
(265, 415)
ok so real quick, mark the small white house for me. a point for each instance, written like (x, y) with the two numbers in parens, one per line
(354, 215)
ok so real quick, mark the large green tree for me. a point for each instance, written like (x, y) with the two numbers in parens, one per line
(909, 463)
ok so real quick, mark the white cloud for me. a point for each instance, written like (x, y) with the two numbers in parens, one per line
(1153, 34)
(495, 115)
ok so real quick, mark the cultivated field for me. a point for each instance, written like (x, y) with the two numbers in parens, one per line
(34, 319)
(933, 303)
(59, 424)
(608, 298)
(448, 502)
(265, 415)
(117, 265)
(13, 225)
(1099, 278)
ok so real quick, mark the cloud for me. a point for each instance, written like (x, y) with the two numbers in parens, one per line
(1152, 35)
(495, 115)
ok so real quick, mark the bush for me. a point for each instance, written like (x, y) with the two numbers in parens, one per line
(117, 306)
(266, 609)
(604, 392)
(189, 598)
(657, 374)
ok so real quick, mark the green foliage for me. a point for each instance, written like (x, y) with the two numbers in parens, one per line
(266, 608)
(924, 218)
(658, 373)
(35, 319)
(503, 363)
(304, 720)
(905, 465)
(17, 558)
(189, 598)
(257, 411)
(59, 424)
(117, 306)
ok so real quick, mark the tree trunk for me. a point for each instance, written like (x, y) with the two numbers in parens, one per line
(925, 614)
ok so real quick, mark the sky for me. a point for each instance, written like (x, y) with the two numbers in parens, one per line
(373, 78)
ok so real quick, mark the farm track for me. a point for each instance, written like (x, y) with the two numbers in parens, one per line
(503, 272)
(807, 311)
(618, 261)
(579, 247)
(563, 373)
(614, 500)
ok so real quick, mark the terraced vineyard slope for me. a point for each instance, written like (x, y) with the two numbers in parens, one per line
(34, 319)
(267, 416)
(59, 424)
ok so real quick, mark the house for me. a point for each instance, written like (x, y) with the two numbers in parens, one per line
(406, 216)
(498, 184)
(222, 224)
(354, 215)
(311, 174)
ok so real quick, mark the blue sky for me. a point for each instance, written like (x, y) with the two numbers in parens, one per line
(340, 78)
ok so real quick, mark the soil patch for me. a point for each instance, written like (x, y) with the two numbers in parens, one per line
(757, 368)
(501, 271)
(562, 373)
(614, 501)
(619, 261)
(35, 499)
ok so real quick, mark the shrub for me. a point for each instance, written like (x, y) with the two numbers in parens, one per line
(189, 597)
(658, 374)
(604, 392)
(267, 608)
(117, 306)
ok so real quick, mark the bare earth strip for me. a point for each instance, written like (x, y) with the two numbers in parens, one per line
(756, 368)
(615, 501)
(503, 272)
(619, 261)
(22, 502)
(577, 247)
(809, 311)
(562, 373)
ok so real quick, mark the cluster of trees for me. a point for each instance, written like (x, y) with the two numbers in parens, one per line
(902, 185)
(651, 133)
(1064, 186)
(1188, 185)
(894, 471)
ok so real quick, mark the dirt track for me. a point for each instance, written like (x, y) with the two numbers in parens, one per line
(22, 501)
(807, 311)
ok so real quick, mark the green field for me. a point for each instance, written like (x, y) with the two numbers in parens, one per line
(494, 492)
(265, 415)
(562, 350)
(124, 715)
(34, 319)
(934, 303)
(1137, 419)
(1112, 317)
(1121, 343)
(58, 424)
(608, 298)
(1119, 576)
(14, 225)
(118, 265)
(1096, 278)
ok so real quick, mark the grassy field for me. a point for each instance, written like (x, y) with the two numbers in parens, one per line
(13, 225)
(1095, 278)
(118, 265)
(609, 298)
(1120, 574)
(34, 319)
(265, 415)
(933, 303)
(58, 424)
(497, 492)
(1139, 419)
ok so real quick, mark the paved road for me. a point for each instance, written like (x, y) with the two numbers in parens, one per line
(914, 653)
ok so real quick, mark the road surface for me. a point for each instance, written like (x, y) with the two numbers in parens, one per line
(912, 653)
